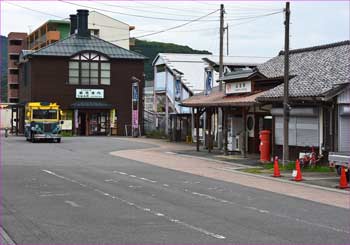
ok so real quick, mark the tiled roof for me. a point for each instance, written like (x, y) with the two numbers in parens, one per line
(240, 74)
(74, 44)
(218, 98)
(315, 70)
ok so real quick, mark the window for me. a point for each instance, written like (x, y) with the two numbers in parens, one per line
(95, 32)
(16, 42)
(14, 57)
(89, 69)
(14, 71)
(44, 114)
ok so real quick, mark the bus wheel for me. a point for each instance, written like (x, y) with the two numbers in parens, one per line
(32, 139)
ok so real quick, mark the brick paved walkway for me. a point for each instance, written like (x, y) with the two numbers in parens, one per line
(162, 155)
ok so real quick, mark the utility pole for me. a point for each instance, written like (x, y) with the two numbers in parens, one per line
(221, 59)
(227, 46)
(221, 72)
(286, 107)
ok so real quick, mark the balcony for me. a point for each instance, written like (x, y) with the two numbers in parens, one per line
(15, 49)
(12, 79)
(13, 93)
(53, 35)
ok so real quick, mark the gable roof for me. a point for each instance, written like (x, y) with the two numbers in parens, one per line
(191, 66)
(75, 44)
(315, 70)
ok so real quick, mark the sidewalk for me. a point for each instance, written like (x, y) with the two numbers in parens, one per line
(164, 155)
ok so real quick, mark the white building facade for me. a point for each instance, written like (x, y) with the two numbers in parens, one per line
(109, 29)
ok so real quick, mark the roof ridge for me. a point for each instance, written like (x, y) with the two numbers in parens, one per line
(318, 47)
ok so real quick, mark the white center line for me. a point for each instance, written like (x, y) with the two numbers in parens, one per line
(169, 218)
(73, 204)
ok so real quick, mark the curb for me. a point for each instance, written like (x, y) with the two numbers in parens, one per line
(262, 176)
(214, 160)
(5, 238)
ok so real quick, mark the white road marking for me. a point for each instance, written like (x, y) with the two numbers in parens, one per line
(215, 199)
(201, 230)
(54, 195)
(111, 180)
(73, 204)
(132, 176)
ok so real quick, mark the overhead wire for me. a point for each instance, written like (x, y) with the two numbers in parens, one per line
(150, 17)
(178, 26)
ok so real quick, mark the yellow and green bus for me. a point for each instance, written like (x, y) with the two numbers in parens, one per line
(42, 121)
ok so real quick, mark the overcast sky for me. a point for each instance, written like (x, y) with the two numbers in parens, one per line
(252, 31)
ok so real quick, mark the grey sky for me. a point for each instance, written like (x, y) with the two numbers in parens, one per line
(250, 33)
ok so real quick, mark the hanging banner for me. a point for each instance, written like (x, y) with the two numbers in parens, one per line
(178, 89)
(209, 82)
(76, 123)
(135, 106)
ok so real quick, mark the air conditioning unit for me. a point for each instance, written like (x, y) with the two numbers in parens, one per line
(250, 125)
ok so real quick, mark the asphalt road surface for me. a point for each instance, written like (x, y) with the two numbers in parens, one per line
(77, 193)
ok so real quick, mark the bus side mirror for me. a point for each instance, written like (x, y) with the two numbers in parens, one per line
(61, 122)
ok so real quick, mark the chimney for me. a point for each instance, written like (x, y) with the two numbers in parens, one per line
(73, 23)
(83, 23)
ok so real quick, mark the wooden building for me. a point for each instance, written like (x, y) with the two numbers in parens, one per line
(319, 95)
(91, 79)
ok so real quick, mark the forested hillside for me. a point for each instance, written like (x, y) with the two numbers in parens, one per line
(151, 49)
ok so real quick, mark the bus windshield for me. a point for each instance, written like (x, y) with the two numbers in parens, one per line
(44, 114)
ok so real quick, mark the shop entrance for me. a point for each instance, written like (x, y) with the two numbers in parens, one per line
(94, 123)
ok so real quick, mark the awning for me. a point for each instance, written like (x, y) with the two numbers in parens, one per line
(91, 105)
(219, 98)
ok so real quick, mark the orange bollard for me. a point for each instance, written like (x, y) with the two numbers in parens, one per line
(297, 167)
(276, 170)
(343, 183)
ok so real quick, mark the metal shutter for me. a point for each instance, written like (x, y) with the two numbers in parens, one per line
(279, 131)
(307, 131)
(344, 130)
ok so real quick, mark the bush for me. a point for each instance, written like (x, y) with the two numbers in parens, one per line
(156, 134)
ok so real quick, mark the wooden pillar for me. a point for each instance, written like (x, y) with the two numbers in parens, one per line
(244, 139)
(209, 130)
(197, 128)
(224, 122)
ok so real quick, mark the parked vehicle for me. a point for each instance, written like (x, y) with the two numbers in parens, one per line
(42, 121)
(339, 159)
(6, 120)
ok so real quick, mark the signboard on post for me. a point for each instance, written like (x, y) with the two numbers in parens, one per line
(135, 107)
(238, 87)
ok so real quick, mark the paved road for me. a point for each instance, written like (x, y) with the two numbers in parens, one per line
(76, 192)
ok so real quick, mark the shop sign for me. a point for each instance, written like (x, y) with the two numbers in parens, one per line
(208, 82)
(238, 87)
(135, 106)
(89, 93)
(67, 125)
(177, 89)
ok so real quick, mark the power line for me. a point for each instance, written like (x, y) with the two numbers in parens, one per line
(38, 11)
(172, 28)
(149, 17)
(121, 13)
(141, 10)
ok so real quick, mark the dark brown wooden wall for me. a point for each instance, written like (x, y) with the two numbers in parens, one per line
(49, 77)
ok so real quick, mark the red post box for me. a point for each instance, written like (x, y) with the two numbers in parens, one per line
(264, 146)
